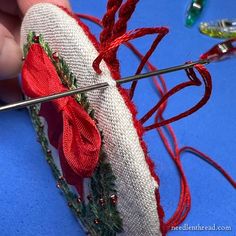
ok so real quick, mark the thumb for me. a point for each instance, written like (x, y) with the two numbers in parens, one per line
(10, 51)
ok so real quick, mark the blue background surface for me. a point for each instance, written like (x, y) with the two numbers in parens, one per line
(31, 204)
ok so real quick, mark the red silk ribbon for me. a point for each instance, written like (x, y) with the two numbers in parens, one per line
(70, 129)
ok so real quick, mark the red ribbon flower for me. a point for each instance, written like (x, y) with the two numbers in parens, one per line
(70, 129)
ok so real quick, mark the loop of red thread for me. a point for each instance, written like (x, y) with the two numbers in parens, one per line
(137, 33)
(149, 67)
(194, 81)
(163, 31)
(77, 136)
(144, 59)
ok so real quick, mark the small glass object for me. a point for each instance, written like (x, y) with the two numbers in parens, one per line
(221, 51)
(194, 11)
(224, 28)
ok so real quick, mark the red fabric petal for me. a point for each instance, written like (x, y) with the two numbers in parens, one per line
(54, 120)
(80, 143)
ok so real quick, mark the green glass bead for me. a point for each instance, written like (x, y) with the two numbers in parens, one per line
(194, 11)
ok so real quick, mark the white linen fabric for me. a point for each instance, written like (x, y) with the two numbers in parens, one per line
(135, 185)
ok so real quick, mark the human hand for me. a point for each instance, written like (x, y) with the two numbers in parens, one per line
(11, 14)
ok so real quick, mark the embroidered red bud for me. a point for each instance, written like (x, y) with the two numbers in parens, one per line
(96, 221)
(36, 39)
(49, 152)
(79, 200)
(113, 199)
(55, 56)
(102, 202)
(89, 197)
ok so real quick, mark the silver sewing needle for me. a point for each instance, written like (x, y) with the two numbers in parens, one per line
(34, 101)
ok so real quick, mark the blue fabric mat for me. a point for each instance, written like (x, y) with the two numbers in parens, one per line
(29, 200)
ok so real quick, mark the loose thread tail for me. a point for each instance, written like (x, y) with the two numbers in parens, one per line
(210, 161)
(133, 34)
(184, 204)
